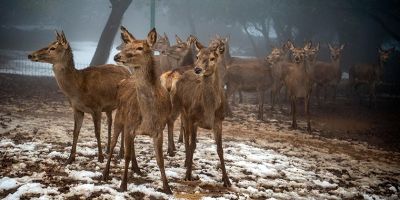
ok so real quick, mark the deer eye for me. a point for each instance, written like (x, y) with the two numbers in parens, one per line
(139, 48)
(52, 48)
(212, 59)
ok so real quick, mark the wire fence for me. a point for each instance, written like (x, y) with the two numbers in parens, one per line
(22, 66)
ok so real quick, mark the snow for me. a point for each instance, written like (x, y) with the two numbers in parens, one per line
(278, 168)
(324, 184)
(82, 175)
(7, 183)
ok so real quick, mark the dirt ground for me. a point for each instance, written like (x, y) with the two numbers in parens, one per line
(353, 152)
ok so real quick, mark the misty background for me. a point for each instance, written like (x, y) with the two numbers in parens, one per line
(254, 26)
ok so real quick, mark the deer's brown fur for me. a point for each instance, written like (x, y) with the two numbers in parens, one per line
(91, 90)
(369, 74)
(144, 105)
(299, 84)
(200, 98)
(327, 74)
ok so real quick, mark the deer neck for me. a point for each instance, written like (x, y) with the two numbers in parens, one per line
(187, 58)
(227, 55)
(67, 75)
(146, 75)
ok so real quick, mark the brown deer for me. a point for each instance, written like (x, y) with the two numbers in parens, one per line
(279, 67)
(200, 99)
(327, 74)
(91, 90)
(144, 105)
(369, 74)
(244, 74)
(299, 84)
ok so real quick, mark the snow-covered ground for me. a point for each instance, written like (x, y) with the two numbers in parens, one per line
(263, 160)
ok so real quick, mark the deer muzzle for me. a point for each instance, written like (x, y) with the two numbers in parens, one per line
(198, 70)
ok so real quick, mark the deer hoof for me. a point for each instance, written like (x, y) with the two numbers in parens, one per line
(171, 153)
(167, 190)
(70, 160)
(123, 187)
(227, 183)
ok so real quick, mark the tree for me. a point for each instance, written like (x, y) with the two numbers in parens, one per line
(118, 8)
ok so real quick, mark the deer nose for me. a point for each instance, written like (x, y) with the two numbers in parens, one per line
(197, 70)
(30, 56)
(117, 57)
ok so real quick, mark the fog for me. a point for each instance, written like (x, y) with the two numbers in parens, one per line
(253, 26)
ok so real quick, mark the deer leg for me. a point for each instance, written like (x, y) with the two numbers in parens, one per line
(97, 124)
(109, 123)
(78, 119)
(135, 167)
(181, 133)
(117, 130)
(218, 140)
(228, 93)
(121, 150)
(186, 133)
(171, 144)
(158, 142)
(307, 111)
(190, 151)
(127, 157)
(294, 122)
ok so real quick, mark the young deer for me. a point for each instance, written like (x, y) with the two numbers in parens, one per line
(91, 90)
(299, 84)
(369, 74)
(279, 67)
(144, 105)
(325, 74)
(244, 74)
(200, 99)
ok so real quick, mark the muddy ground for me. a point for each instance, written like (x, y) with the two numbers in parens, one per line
(353, 152)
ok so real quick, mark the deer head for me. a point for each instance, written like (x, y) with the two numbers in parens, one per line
(335, 52)
(384, 54)
(311, 52)
(207, 59)
(275, 56)
(298, 54)
(136, 53)
(162, 44)
(55, 52)
(180, 49)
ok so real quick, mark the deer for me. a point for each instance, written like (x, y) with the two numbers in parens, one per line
(328, 74)
(144, 105)
(369, 74)
(299, 84)
(91, 90)
(279, 62)
(244, 74)
(199, 97)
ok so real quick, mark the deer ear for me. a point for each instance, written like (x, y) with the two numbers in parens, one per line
(63, 40)
(126, 36)
(308, 45)
(341, 47)
(152, 37)
(290, 45)
(178, 39)
(227, 38)
(166, 37)
(58, 37)
(330, 47)
(317, 47)
(198, 45)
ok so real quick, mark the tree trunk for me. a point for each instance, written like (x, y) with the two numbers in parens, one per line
(253, 44)
(118, 8)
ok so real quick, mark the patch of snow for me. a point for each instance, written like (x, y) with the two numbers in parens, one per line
(7, 183)
(31, 188)
(82, 175)
(324, 184)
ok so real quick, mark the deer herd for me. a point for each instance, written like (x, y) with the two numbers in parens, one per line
(192, 81)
